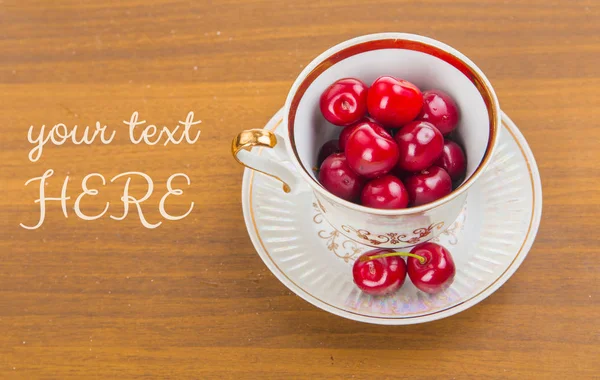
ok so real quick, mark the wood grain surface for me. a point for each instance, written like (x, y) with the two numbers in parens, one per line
(191, 299)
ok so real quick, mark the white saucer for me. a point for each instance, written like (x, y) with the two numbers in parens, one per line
(488, 241)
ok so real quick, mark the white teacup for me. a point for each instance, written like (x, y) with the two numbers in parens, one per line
(423, 61)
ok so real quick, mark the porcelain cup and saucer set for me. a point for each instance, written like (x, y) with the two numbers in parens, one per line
(310, 238)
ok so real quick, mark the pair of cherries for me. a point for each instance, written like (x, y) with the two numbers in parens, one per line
(383, 271)
(391, 152)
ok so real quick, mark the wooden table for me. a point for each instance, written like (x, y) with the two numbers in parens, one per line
(191, 299)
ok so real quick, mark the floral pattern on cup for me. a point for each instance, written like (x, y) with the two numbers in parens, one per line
(343, 248)
(417, 236)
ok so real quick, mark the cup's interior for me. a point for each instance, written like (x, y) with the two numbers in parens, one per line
(427, 70)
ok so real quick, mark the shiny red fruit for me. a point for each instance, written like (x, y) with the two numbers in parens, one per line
(379, 276)
(437, 273)
(336, 176)
(386, 192)
(346, 132)
(394, 102)
(329, 148)
(427, 186)
(420, 145)
(440, 110)
(370, 150)
(453, 160)
(344, 102)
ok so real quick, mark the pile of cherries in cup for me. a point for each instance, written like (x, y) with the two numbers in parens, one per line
(395, 151)
(391, 152)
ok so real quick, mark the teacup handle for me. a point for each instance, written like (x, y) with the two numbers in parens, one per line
(246, 140)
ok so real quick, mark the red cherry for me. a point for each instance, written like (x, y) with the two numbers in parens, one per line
(437, 273)
(379, 276)
(336, 176)
(370, 150)
(329, 148)
(346, 132)
(428, 185)
(344, 102)
(420, 144)
(440, 110)
(453, 160)
(394, 102)
(386, 192)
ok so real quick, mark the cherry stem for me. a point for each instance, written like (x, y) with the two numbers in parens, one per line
(421, 259)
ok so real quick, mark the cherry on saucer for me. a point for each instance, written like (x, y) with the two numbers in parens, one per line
(430, 268)
(377, 274)
(436, 273)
